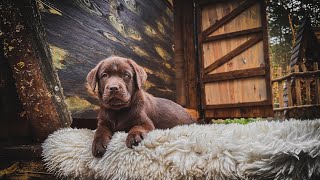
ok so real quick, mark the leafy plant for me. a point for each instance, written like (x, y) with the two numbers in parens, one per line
(236, 120)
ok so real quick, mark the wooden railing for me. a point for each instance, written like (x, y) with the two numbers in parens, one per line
(295, 89)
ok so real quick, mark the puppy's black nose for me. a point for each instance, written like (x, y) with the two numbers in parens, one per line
(113, 88)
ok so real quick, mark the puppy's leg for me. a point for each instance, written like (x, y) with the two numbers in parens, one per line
(138, 132)
(101, 140)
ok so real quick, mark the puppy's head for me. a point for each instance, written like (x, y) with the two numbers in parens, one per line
(118, 79)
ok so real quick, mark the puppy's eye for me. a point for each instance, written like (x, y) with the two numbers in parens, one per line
(126, 75)
(104, 75)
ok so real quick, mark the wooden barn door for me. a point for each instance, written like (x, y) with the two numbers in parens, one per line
(235, 70)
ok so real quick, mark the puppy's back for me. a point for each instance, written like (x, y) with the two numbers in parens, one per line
(167, 114)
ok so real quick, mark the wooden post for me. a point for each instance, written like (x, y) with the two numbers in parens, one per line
(298, 87)
(190, 63)
(179, 52)
(280, 89)
(307, 81)
(288, 85)
(28, 56)
(317, 88)
(272, 85)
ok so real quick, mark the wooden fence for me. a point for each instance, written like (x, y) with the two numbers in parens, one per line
(295, 89)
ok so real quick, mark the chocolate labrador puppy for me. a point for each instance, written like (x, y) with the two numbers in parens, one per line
(125, 106)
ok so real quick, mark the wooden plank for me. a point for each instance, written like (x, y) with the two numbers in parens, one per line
(201, 63)
(28, 55)
(191, 64)
(234, 105)
(22, 152)
(296, 107)
(219, 10)
(298, 87)
(236, 91)
(179, 53)
(233, 53)
(317, 83)
(232, 34)
(228, 17)
(289, 90)
(280, 88)
(202, 3)
(254, 111)
(298, 74)
(232, 75)
(307, 84)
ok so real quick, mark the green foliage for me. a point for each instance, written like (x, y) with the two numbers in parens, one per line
(282, 14)
(238, 121)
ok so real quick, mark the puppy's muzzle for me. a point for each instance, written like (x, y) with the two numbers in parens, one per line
(114, 88)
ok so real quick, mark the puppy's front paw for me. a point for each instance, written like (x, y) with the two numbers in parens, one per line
(134, 138)
(99, 147)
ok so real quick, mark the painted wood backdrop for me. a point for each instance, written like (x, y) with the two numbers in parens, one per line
(80, 33)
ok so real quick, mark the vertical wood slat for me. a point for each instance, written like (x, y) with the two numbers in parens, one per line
(280, 88)
(307, 82)
(317, 82)
(289, 90)
(190, 66)
(298, 87)
(179, 53)
(272, 85)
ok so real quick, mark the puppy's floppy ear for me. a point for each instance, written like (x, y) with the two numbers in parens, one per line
(141, 75)
(92, 76)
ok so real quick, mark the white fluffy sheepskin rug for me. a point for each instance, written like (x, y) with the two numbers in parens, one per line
(261, 150)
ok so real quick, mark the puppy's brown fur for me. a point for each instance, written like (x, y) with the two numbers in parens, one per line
(125, 106)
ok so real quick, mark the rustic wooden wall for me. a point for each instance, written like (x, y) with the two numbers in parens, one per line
(81, 33)
(27, 54)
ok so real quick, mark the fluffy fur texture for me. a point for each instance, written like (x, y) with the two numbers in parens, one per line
(261, 150)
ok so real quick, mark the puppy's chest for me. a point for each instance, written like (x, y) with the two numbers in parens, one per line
(122, 121)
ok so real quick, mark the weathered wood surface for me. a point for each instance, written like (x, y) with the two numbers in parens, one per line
(186, 64)
(12, 125)
(81, 33)
(28, 56)
(9, 102)
(317, 83)
(180, 62)
(289, 89)
(298, 87)
(280, 89)
(23, 162)
(301, 95)
(235, 63)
